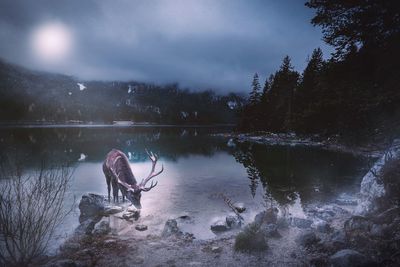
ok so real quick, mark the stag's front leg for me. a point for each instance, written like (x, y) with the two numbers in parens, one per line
(115, 191)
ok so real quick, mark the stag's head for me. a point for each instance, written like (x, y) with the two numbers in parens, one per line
(134, 192)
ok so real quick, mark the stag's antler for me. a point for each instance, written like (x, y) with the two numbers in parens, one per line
(153, 157)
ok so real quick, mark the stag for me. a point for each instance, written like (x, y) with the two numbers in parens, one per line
(119, 175)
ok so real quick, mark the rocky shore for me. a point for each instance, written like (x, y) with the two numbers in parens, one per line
(362, 230)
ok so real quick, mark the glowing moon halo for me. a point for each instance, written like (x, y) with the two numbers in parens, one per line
(51, 42)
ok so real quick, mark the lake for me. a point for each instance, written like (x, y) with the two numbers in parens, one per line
(198, 167)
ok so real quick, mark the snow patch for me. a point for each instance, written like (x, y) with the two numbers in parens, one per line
(82, 157)
(184, 114)
(81, 86)
(232, 104)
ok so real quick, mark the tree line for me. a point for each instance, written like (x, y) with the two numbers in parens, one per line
(356, 91)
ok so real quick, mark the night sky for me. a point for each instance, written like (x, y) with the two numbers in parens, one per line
(216, 44)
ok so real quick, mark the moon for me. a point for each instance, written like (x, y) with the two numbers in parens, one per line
(51, 42)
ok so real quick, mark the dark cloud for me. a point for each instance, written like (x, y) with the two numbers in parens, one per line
(200, 44)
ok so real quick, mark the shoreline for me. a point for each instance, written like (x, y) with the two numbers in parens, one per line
(291, 139)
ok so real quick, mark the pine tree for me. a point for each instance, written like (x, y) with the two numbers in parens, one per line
(255, 95)
(308, 94)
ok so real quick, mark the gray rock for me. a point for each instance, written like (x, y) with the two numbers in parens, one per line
(307, 239)
(171, 228)
(86, 227)
(348, 257)
(130, 215)
(301, 222)
(102, 228)
(90, 206)
(219, 226)
(112, 210)
(141, 227)
(270, 230)
(240, 207)
(233, 221)
(184, 216)
(216, 249)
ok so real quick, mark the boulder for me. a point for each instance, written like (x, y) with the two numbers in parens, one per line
(86, 227)
(233, 221)
(219, 226)
(91, 206)
(307, 239)
(349, 257)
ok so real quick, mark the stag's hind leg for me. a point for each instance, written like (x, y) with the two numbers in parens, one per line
(108, 181)
(115, 187)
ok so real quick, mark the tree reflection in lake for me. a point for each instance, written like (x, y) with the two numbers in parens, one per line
(289, 172)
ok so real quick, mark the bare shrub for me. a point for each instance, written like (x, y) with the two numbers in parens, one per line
(31, 208)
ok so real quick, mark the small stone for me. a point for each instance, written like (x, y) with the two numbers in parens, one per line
(216, 249)
(141, 227)
(184, 216)
(219, 226)
(239, 207)
(129, 215)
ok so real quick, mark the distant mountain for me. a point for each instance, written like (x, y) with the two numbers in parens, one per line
(32, 96)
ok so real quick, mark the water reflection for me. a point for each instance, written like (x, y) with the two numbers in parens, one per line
(287, 173)
(198, 167)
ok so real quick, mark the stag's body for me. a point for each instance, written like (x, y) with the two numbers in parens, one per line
(119, 175)
(116, 167)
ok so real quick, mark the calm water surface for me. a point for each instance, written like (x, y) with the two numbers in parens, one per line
(198, 167)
